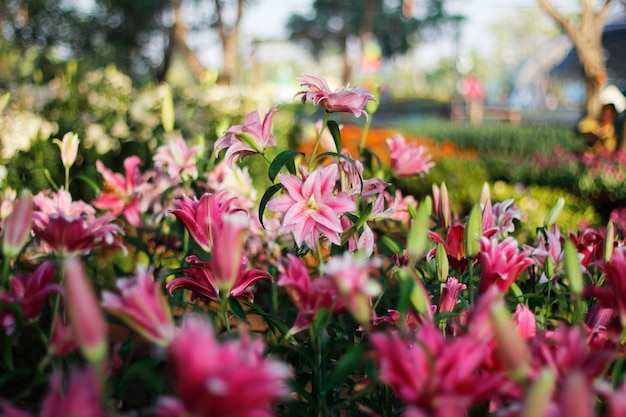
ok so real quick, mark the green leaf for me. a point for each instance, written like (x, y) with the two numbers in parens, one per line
(286, 157)
(269, 193)
(167, 111)
(333, 127)
(238, 311)
(346, 366)
(91, 183)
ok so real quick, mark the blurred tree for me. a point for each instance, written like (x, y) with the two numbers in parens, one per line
(96, 32)
(586, 33)
(390, 23)
(228, 31)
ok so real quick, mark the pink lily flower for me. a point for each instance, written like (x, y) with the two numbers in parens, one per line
(615, 295)
(66, 236)
(408, 159)
(449, 297)
(178, 159)
(142, 307)
(200, 217)
(351, 276)
(60, 202)
(308, 295)
(222, 379)
(62, 341)
(17, 226)
(502, 263)
(82, 397)
(120, 195)
(31, 292)
(250, 138)
(311, 208)
(343, 100)
(84, 312)
(202, 280)
(525, 321)
(235, 182)
(425, 371)
(453, 245)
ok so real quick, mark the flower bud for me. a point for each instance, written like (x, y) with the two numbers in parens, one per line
(554, 212)
(84, 312)
(167, 112)
(18, 225)
(69, 148)
(443, 265)
(473, 231)
(417, 239)
(609, 241)
(511, 348)
(573, 268)
(445, 213)
(539, 395)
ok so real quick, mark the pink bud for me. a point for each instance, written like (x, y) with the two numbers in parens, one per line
(84, 312)
(18, 225)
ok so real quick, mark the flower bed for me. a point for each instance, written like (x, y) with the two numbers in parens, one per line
(178, 291)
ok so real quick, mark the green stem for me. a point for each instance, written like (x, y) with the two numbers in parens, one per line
(67, 179)
(224, 311)
(366, 129)
(319, 139)
(470, 281)
(5, 273)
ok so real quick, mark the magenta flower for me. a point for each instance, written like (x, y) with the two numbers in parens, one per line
(178, 159)
(84, 312)
(439, 377)
(250, 138)
(408, 159)
(343, 100)
(30, 291)
(351, 275)
(202, 280)
(223, 379)
(62, 340)
(308, 295)
(18, 225)
(615, 271)
(450, 295)
(82, 396)
(200, 217)
(140, 304)
(501, 263)
(311, 208)
(524, 319)
(454, 246)
(67, 236)
(120, 195)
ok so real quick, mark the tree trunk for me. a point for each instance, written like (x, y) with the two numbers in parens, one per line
(229, 35)
(587, 38)
(177, 40)
(230, 70)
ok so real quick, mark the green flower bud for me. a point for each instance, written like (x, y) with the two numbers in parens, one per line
(443, 266)
(417, 239)
(539, 395)
(573, 269)
(609, 241)
(554, 212)
(473, 231)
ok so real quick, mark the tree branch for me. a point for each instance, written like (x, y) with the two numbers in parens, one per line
(562, 20)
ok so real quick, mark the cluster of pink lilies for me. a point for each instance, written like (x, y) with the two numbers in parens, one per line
(369, 302)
